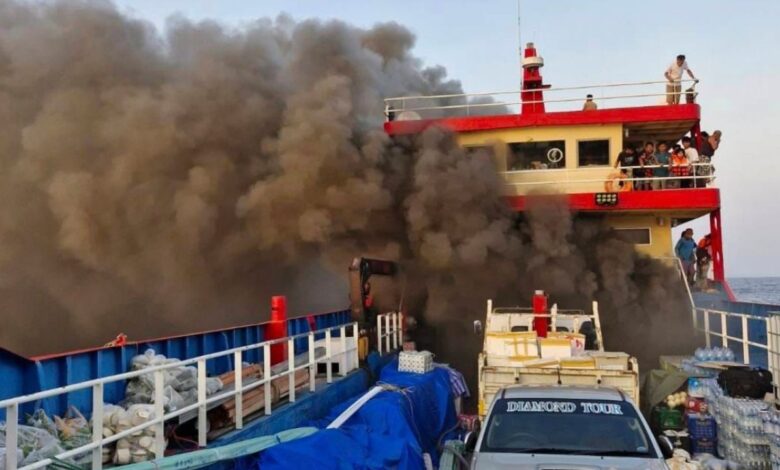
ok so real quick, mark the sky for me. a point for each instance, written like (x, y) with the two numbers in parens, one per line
(730, 45)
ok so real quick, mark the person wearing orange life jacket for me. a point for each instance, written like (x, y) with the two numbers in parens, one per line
(679, 167)
(703, 261)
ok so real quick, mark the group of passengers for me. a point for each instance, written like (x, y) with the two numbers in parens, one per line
(656, 167)
(696, 258)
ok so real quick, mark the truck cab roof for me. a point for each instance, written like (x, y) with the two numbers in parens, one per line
(563, 392)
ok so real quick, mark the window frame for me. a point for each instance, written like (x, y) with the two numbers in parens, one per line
(609, 153)
(649, 234)
(468, 149)
(509, 155)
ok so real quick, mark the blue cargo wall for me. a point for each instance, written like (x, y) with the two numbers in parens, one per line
(23, 376)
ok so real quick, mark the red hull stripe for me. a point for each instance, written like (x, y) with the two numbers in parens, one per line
(670, 199)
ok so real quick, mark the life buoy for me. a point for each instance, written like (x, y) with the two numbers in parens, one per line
(623, 184)
(555, 155)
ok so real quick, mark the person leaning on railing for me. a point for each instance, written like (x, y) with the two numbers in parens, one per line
(662, 171)
(674, 75)
(709, 145)
(647, 159)
(626, 158)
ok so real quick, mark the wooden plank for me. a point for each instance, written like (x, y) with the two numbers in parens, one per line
(250, 371)
(280, 388)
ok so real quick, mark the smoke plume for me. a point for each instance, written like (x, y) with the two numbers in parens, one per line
(160, 182)
(153, 182)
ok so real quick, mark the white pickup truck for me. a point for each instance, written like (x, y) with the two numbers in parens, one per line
(561, 427)
(572, 353)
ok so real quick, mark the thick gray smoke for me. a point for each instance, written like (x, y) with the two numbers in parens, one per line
(155, 183)
(644, 307)
(575, 259)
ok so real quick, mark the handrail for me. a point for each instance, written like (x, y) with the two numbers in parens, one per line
(399, 103)
(529, 311)
(694, 176)
(98, 440)
(389, 330)
(488, 93)
(553, 315)
(723, 334)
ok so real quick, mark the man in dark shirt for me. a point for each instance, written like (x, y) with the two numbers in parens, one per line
(626, 158)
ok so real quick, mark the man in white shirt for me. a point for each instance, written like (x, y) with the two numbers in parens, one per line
(693, 158)
(674, 75)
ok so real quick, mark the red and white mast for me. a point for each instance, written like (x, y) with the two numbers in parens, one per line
(532, 95)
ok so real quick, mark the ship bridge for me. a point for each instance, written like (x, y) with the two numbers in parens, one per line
(547, 140)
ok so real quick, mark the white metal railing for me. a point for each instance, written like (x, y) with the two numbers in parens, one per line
(11, 406)
(703, 322)
(698, 177)
(389, 331)
(418, 103)
(726, 338)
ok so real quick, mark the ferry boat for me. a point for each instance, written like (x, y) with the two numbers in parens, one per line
(281, 378)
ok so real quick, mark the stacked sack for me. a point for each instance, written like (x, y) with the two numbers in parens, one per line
(180, 383)
(137, 447)
(33, 444)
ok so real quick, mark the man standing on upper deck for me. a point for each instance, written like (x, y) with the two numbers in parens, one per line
(674, 75)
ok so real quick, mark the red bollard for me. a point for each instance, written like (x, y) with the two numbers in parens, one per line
(539, 304)
(277, 328)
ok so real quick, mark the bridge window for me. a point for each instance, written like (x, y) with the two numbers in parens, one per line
(593, 152)
(637, 236)
(479, 149)
(536, 155)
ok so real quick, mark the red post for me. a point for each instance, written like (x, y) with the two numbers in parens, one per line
(717, 246)
(696, 134)
(277, 328)
(539, 304)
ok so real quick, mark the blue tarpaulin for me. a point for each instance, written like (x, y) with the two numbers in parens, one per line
(392, 430)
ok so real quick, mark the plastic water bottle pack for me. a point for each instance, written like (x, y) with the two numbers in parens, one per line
(771, 423)
(742, 427)
(714, 354)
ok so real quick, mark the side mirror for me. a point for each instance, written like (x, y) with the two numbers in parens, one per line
(667, 448)
(477, 327)
(471, 441)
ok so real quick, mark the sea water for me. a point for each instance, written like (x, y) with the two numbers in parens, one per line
(763, 290)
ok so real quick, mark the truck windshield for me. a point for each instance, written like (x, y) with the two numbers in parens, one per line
(583, 427)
